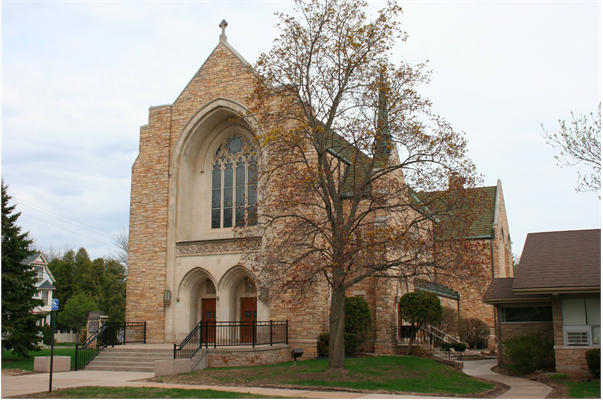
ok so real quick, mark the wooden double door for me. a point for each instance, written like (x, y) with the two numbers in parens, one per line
(208, 318)
(249, 314)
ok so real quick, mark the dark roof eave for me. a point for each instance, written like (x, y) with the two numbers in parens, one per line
(541, 298)
(553, 290)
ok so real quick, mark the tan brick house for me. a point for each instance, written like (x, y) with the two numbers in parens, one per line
(184, 260)
(556, 293)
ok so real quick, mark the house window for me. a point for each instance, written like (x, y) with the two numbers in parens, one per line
(234, 184)
(526, 314)
(581, 321)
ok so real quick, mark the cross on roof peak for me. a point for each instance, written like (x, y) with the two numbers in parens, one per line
(223, 25)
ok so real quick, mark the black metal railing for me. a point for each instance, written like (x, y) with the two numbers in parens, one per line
(232, 333)
(109, 334)
(431, 338)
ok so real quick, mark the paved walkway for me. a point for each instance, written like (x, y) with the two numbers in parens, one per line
(33, 383)
(520, 388)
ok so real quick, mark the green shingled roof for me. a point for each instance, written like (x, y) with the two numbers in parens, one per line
(438, 289)
(482, 226)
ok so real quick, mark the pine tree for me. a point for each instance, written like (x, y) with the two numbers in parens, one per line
(19, 329)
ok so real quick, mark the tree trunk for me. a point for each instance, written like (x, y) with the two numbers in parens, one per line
(336, 329)
(413, 333)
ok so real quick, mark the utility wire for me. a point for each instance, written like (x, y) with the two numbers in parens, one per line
(56, 226)
(64, 219)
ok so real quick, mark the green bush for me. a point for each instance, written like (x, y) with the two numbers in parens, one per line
(526, 354)
(47, 334)
(593, 359)
(456, 346)
(350, 342)
(357, 317)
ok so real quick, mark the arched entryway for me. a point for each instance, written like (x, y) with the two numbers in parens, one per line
(197, 296)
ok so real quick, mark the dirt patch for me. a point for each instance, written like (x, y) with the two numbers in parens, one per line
(16, 371)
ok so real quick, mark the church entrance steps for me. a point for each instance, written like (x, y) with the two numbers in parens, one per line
(130, 358)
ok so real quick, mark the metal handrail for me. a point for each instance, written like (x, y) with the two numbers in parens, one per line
(232, 333)
(443, 336)
(89, 340)
(185, 342)
(108, 334)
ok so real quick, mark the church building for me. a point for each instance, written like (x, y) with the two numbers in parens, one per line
(193, 181)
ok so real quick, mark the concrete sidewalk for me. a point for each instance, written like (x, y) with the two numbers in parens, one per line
(520, 388)
(34, 383)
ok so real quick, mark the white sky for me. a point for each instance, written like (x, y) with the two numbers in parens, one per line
(78, 79)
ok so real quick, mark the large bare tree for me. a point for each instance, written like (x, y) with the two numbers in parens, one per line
(345, 141)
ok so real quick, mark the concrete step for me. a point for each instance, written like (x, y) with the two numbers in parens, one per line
(128, 359)
(122, 364)
(118, 368)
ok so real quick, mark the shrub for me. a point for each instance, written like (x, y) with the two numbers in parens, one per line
(473, 331)
(47, 334)
(456, 346)
(357, 318)
(350, 343)
(593, 359)
(526, 354)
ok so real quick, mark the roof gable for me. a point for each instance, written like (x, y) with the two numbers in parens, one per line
(483, 216)
(563, 261)
(36, 259)
(222, 55)
(46, 285)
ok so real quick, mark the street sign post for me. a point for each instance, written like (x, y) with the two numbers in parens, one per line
(54, 307)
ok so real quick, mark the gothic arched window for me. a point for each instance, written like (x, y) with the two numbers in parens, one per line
(234, 187)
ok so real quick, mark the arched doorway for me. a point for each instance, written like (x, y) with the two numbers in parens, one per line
(198, 296)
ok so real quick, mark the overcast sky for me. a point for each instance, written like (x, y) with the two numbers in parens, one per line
(78, 79)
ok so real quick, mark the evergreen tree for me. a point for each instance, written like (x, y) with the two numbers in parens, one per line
(19, 329)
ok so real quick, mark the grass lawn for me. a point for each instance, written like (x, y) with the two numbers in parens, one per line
(584, 390)
(139, 393)
(384, 373)
(12, 361)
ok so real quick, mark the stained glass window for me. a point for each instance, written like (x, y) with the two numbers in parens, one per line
(234, 184)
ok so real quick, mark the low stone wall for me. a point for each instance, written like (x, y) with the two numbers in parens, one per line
(245, 357)
(572, 360)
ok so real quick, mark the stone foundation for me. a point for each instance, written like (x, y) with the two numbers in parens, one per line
(244, 357)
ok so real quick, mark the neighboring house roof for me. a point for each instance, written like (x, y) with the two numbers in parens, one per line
(35, 259)
(501, 290)
(565, 261)
(38, 261)
(436, 288)
(46, 285)
(484, 216)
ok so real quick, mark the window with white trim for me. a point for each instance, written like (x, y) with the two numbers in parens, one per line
(234, 184)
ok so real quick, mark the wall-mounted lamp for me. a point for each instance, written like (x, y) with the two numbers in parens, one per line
(167, 297)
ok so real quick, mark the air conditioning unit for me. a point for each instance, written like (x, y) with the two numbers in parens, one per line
(577, 335)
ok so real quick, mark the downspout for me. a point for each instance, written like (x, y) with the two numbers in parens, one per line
(498, 344)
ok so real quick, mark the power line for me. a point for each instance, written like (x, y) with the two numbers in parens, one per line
(56, 226)
(64, 219)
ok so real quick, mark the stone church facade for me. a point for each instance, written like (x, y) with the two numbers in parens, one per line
(184, 261)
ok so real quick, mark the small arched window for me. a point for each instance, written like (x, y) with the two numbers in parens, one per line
(234, 184)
